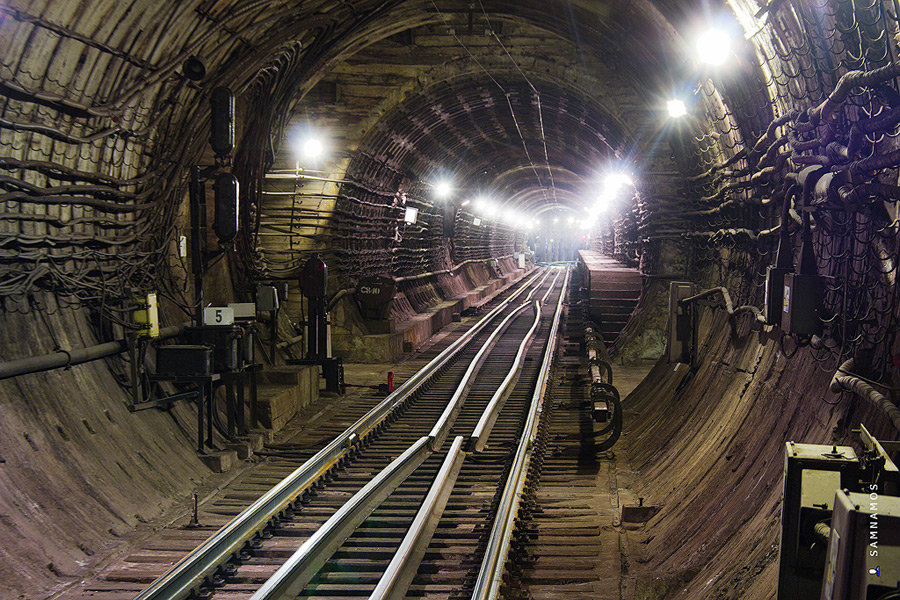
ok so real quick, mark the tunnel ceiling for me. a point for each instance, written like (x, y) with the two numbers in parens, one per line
(502, 118)
(530, 100)
(499, 134)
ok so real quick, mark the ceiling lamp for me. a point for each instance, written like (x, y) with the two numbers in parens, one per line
(443, 189)
(714, 47)
(676, 108)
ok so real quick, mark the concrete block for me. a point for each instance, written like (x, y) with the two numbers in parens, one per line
(242, 449)
(257, 439)
(638, 514)
(276, 405)
(219, 462)
(265, 436)
(279, 403)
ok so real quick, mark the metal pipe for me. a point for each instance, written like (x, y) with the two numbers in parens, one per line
(732, 312)
(337, 297)
(66, 358)
(844, 380)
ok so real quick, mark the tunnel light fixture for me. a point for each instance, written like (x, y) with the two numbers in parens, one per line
(308, 146)
(465, 202)
(676, 108)
(476, 221)
(443, 189)
(411, 215)
(313, 147)
(485, 207)
(615, 182)
(714, 46)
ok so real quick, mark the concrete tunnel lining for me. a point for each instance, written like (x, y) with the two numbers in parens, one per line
(99, 125)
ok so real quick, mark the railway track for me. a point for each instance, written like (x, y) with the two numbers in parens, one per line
(417, 498)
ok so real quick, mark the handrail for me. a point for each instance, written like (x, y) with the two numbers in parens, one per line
(290, 579)
(395, 581)
(487, 586)
(187, 575)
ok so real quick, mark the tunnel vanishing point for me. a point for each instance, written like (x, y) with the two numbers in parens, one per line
(164, 165)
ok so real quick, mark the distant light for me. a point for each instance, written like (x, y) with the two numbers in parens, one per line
(676, 108)
(312, 148)
(484, 206)
(464, 203)
(537, 221)
(615, 182)
(411, 215)
(443, 189)
(570, 220)
(555, 220)
(714, 47)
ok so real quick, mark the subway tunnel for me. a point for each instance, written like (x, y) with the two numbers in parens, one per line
(446, 148)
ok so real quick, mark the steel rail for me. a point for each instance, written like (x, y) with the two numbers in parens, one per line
(290, 579)
(490, 576)
(442, 427)
(486, 423)
(188, 575)
(399, 574)
(482, 430)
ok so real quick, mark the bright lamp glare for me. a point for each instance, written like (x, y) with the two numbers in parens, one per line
(485, 207)
(714, 46)
(312, 148)
(676, 108)
(616, 181)
(443, 189)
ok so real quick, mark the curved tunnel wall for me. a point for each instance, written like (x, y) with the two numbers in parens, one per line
(99, 125)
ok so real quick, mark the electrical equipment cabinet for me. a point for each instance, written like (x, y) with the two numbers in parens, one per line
(812, 473)
(864, 547)
(184, 361)
(681, 322)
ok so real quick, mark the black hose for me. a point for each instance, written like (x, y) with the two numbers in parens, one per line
(68, 358)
